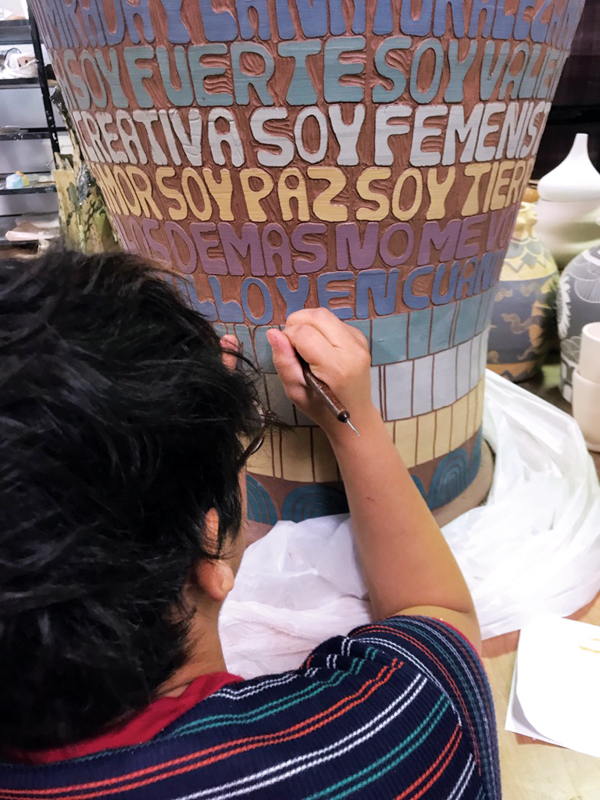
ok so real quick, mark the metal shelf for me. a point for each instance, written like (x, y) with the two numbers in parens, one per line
(18, 83)
(28, 134)
(35, 189)
(15, 31)
(31, 244)
(29, 190)
(6, 244)
(7, 224)
(43, 81)
(8, 29)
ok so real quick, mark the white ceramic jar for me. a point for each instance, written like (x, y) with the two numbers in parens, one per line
(569, 205)
(586, 386)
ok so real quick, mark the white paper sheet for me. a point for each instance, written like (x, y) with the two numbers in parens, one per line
(555, 694)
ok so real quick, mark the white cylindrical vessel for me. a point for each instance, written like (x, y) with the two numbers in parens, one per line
(586, 409)
(589, 357)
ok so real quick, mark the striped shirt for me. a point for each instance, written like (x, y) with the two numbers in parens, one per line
(397, 709)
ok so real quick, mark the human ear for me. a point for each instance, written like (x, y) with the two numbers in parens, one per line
(213, 577)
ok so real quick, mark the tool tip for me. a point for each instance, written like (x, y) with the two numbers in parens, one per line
(353, 428)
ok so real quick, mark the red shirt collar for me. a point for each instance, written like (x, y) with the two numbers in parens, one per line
(139, 729)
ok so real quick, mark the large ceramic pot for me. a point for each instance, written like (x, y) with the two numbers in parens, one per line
(524, 313)
(578, 304)
(366, 157)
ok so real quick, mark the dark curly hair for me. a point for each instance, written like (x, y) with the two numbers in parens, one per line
(119, 429)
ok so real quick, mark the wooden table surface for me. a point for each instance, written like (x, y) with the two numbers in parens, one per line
(533, 770)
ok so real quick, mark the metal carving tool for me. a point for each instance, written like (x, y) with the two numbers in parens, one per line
(327, 396)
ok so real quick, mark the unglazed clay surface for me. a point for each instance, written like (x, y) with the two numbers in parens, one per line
(368, 157)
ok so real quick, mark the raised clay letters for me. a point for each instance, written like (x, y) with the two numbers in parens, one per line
(361, 158)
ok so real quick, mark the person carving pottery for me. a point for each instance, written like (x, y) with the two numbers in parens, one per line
(125, 426)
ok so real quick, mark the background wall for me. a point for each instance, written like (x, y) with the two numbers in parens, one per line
(576, 107)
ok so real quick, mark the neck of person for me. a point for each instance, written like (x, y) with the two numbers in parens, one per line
(205, 653)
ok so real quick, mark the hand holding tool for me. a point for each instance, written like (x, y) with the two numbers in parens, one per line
(326, 395)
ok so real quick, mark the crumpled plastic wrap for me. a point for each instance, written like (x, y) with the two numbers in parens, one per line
(533, 549)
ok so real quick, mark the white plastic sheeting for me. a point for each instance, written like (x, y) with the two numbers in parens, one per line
(533, 549)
